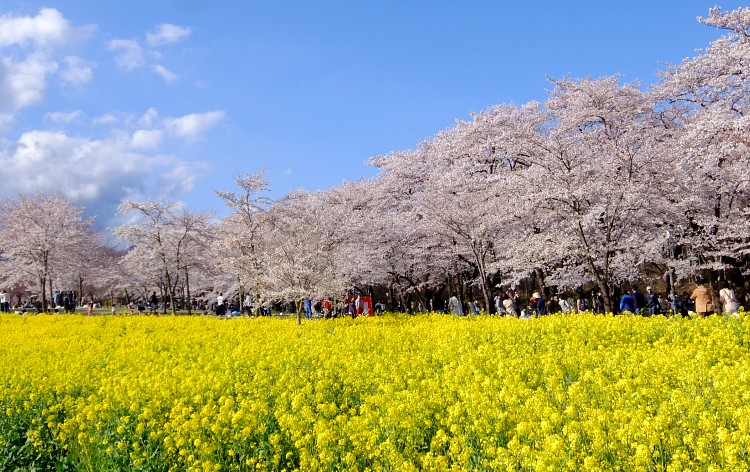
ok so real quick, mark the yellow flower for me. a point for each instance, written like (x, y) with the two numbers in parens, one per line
(395, 392)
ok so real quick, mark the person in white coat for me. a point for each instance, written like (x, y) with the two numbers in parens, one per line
(565, 306)
(4, 301)
(729, 300)
(454, 304)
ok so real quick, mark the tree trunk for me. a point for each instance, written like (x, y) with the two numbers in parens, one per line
(462, 292)
(479, 258)
(51, 295)
(391, 298)
(604, 289)
(80, 288)
(539, 282)
(187, 290)
(171, 301)
(43, 287)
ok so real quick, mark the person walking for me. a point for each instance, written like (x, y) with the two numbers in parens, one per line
(70, 302)
(498, 302)
(4, 301)
(581, 303)
(510, 306)
(454, 305)
(540, 304)
(729, 300)
(598, 302)
(703, 299)
(221, 308)
(640, 301)
(565, 306)
(627, 303)
(652, 301)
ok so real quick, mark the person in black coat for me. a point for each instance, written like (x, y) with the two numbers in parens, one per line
(652, 301)
(640, 301)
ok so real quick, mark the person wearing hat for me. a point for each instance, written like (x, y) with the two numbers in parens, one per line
(652, 301)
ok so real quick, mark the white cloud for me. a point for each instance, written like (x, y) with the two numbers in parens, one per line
(287, 172)
(147, 139)
(106, 119)
(149, 119)
(28, 57)
(63, 117)
(77, 71)
(46, 30)
(188, 127)
(130, 54)
(167, 33)
(181, 179)
(165, 73)
(95, 173)
(23, 84)
(193, 125)
(5, 120)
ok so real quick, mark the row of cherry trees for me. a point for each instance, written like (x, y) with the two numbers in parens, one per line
(604, 183)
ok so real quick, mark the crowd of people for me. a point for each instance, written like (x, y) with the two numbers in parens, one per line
(699, 300)
(352, 305)
(509, 303)
(62, 302)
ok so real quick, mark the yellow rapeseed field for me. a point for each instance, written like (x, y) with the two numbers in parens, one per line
(395, 392)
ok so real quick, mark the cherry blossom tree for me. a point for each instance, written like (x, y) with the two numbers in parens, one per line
(459, 205)
(347, 218)
(459, 201)
(193, 233)
(594, 177)
(404, 253)
(92, 265)
(167, 238)
(241, 242)
(100, 270)
(41, 235)
(299, 259)
(710, 151)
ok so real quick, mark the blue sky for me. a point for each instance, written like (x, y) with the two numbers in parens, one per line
(110, 100)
